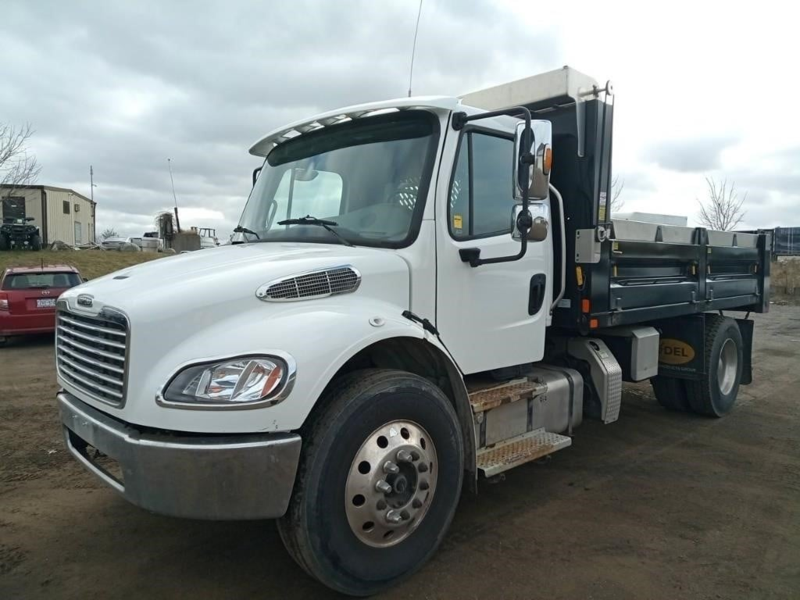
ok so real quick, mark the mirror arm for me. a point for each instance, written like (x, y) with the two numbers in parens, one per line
(256, 173)
(524, 219)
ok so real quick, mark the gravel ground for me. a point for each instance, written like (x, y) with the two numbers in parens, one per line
(657, 505)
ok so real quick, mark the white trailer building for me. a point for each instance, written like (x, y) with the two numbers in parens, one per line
(60, 213)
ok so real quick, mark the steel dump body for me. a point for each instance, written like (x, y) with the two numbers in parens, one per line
(647, 271)
(624, 272)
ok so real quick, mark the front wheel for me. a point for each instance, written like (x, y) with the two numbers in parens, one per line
(36, 243)
(4, 243)
(378, 484)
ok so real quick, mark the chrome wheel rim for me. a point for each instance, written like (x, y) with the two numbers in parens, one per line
(391, 483)
(727, 367)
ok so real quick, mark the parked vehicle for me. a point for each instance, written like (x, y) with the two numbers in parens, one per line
(19, 234)
(208, 237)
(28, 298)
(422, 293)
(114, 243)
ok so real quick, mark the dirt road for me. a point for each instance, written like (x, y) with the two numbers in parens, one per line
(658, 505)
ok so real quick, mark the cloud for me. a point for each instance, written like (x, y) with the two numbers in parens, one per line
(690, 155)
(124, 86)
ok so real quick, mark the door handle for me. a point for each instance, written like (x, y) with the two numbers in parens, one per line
(538, 286)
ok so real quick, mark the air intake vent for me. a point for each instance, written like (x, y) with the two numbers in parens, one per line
(314, 284)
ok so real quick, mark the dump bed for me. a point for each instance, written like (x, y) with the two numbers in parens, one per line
(642, 272)
(624, 272)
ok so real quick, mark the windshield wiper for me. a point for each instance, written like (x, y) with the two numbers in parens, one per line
(240, 229)
(327, 225)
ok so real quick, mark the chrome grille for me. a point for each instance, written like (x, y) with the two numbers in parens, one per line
(314, 284)
(91, 353)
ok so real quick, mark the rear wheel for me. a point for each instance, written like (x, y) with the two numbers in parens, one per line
(716, 393)
(36, 243)
(378, 484)
(671, 393)
(4, 243)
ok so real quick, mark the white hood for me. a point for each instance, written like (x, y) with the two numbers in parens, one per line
(228, 276)
(201, 306)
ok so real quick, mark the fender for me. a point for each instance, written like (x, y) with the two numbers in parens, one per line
(320, 335)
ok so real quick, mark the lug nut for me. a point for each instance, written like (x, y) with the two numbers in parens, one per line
(393, 516)
(423, 467)
(390, 467)
(414, 455)
(383, 487)
(405, 515)
(423, 485)
(417, 503)
(403, 456)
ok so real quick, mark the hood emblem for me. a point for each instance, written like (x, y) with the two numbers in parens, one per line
(85, 300)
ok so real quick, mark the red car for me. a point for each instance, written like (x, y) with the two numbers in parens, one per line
(28, 297)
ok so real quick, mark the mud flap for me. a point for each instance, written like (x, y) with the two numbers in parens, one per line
(681, 349)
(746, 328)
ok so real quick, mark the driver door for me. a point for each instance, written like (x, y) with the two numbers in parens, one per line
(490, 316)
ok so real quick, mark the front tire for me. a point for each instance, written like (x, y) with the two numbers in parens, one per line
(4, 243)
(356, 523)
(36, 243)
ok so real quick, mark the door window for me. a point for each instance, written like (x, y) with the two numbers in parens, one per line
(481, 193)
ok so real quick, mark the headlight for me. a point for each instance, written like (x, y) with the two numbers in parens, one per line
(239, 382)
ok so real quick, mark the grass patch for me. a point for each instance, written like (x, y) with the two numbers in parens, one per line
(785, 280)
(91, 263)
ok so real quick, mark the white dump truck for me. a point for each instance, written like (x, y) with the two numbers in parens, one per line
(422, 293)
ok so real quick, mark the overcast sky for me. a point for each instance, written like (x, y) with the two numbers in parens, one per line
(703, 89)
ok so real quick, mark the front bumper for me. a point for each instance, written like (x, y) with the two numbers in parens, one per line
(223, 477)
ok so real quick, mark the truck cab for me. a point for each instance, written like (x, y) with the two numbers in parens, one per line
(421, 293)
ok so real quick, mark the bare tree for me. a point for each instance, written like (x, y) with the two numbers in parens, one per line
(723, 208)
(617, 203)
(109, 233)
(17, 166)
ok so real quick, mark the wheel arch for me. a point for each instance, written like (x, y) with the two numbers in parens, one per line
(425, 359)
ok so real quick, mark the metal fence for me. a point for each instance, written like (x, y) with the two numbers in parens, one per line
(786, 241)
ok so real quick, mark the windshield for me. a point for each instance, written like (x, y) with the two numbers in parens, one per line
(370, 177)
(32, 281)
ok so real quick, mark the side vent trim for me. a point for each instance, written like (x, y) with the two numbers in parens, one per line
(311, 285)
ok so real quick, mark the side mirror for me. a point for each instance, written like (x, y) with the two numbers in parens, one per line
(536, 143)
(540, 222)
(256, 173)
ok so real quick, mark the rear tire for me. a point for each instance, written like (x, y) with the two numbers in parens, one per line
(36, 243)
(323, 529)
(4, 243)
(715, 394)
(671, 393)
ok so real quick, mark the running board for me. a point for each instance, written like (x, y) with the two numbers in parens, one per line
(520, 450)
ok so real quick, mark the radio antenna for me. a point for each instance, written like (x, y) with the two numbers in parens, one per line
(172, 181)
(413, 50)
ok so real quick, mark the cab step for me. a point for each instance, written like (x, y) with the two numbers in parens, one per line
(519, 450)
(497, 395)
